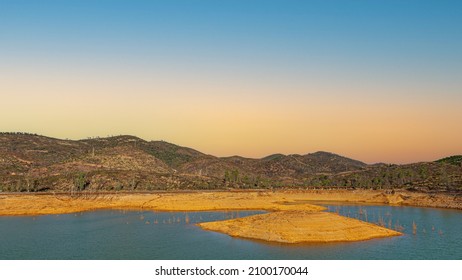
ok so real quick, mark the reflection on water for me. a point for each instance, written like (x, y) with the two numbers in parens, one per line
(408, 220)
(116, 234)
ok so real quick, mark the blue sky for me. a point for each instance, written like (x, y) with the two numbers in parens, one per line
(356, 53)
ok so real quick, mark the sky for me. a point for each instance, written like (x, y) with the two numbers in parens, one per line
(378, 81)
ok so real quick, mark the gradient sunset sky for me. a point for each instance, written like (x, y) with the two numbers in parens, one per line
(378, 81)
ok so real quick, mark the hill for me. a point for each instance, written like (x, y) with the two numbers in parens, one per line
(34, 163)
(454, 160)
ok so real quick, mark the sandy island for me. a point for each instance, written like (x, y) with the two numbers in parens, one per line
(292, 218)
(299, 227)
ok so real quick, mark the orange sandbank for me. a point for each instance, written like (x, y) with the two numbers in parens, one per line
(299, 227)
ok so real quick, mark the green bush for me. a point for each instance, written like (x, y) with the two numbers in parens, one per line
(81, 182)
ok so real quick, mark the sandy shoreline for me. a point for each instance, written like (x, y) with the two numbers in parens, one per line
(292, 218)
(31, 204)
(198, 201)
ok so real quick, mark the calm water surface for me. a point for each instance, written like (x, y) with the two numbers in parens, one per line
(116, 234)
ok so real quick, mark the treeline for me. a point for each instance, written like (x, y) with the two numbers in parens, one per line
(19, 133)
(233, 179)
(22, 185)
(418, 177)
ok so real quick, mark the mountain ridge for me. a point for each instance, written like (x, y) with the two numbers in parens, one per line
(30, 162)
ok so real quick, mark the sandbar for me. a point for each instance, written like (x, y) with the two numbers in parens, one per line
(300, 227)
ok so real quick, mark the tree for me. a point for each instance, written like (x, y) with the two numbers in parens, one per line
(227, 176)
(235, 175)
(81, 182)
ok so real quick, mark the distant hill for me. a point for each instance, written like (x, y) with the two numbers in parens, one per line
(32, 163)
(454, 160)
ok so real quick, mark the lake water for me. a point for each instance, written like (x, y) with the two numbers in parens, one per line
(114, 234)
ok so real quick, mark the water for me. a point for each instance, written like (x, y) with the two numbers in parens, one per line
(113, 234)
